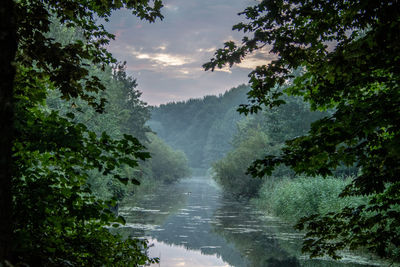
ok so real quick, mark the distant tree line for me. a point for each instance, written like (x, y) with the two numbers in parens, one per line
(202, 128)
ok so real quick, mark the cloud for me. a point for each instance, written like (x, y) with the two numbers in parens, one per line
(208, 50)
(172, 8)
(224, 69)
(259, 58)
(158, 56)
(161, 47)
(169, 54)
(165, 59)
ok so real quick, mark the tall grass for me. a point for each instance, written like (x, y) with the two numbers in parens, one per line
(291, 199)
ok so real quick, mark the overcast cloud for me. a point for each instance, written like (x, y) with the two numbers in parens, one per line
(166, 57)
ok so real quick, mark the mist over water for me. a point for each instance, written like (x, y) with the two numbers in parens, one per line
(191, 223)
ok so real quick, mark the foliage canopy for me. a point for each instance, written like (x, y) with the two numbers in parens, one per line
(202, 128)
(348, 54)
(55, 219)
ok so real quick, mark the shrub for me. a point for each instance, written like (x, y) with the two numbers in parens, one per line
(230, 171)
(166, 165)
(291, 199)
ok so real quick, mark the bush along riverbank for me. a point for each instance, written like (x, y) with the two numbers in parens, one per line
(293, 198)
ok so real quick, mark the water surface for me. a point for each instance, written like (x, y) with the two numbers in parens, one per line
(191, 223)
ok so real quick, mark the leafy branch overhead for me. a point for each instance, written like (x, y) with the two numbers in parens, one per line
(347, 53)
(55, 219)
(66, 66)
(53, 201)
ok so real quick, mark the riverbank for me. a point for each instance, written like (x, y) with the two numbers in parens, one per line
(194, 215)
(292, 199)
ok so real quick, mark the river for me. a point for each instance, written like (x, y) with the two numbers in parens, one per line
(191, 223)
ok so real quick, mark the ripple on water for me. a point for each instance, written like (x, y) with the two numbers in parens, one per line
(213, 247)
(187, 210)
(141, 226)
(196, 207)
(347, 258)
(128, 210)
(209, 227)
(241, 230)
(285, 236)
(189, 227)
(225, 216)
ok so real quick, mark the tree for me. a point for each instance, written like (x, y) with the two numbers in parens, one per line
(41, 62)
(166, 165)
(139, 112)
(117, 119)
(7, 72)
(230, 171)
(348, 53)
(57, 219)
(201, 128)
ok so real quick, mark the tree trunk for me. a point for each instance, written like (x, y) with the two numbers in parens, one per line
(8, 47)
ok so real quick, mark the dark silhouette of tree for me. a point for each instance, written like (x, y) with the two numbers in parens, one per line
(33, 62)
(347, 53)
(9, 47)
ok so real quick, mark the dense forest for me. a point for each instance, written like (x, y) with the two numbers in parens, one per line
(315, 138)
(202, 128)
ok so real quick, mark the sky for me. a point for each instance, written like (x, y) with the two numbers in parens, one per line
(166, 57)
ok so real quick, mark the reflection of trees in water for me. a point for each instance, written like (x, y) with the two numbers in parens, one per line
(239, 225)
(200, 221)
(204, 220)
(265, 242)
(190, 227)
(151, 210)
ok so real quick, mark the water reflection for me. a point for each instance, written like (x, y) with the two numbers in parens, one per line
(193, 220)
(173, 255)
(257, 237)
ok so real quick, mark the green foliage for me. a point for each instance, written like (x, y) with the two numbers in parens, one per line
(128, 101)
(57, 220)
(61, 63)
(348, 54)
(274, 127)
(286, 121)
(123, 113)
(166, 164)
(292, 199)
(230, 171)
(202, 128)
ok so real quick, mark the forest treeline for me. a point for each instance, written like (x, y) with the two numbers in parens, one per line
(203, 127)
(124, 114)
